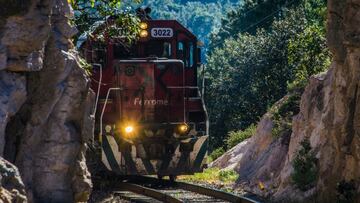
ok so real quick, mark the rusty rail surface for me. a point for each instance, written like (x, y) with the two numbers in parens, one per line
(149, 192)
(218, 194)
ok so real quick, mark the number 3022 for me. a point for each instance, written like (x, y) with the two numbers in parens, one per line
(161, 32)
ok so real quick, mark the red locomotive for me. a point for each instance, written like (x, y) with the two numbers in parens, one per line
(150, 114)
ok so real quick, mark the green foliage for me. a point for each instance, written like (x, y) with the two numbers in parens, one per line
(251, 71)
(305, 167)
(316, 11)
(251, 15)
(124, 26)
(212, 175)
(201, 17)
(282, 114)
(228, 176)
(216, 154)
(86, 66)
(235, 137)
(308, 55)
(248, 75)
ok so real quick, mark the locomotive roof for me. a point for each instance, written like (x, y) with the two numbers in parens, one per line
(174, 24)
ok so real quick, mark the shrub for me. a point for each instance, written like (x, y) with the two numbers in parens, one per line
(282, 114)
(228, 175)
(235, 137)
(212, 175)
(305, 167)
(86, 66)
(216, 154)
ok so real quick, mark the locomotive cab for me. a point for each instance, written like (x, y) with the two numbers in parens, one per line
(150, 114)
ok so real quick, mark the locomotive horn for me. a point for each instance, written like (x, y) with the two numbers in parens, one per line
(143, 12)
(148, 10)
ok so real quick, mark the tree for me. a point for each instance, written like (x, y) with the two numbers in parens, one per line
(201, 17)
(124, 23)
(250, 16)
(250, 72)
(248, 75)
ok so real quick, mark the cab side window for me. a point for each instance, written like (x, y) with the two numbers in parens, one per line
(167, 50)
(183, 53)
(191, 54)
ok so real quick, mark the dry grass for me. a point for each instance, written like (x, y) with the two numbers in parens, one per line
(212, 175)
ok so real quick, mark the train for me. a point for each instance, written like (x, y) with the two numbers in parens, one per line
(151, 117)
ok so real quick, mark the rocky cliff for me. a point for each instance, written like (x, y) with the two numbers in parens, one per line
(12, 188)
(328, 118)
(45, 100)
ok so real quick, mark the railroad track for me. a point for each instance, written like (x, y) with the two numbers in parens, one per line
(147, 189)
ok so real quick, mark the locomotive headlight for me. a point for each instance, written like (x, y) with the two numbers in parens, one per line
(129, 129)
(183, 128)
(143, 25)
(144, 33)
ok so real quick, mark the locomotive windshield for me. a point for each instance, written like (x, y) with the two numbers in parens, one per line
(158, 48)
(153, 48)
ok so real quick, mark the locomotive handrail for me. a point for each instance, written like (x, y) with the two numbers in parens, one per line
(181, 87)
(104, 107)
(98, 90)
(207, 121)
(203, 81)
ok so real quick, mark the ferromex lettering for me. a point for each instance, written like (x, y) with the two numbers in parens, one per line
(151, 102)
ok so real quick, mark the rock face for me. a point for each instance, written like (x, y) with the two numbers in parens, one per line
(12, 97)
(258, 160)
(329, 116)
(45, 119)
(12, 188)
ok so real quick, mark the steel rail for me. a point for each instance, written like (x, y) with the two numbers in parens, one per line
(149, 192)
(218, 194)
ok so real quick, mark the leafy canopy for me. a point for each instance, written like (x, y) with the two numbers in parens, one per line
(250, 16)
(201, 17)
(119, 22)
(251, 71)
